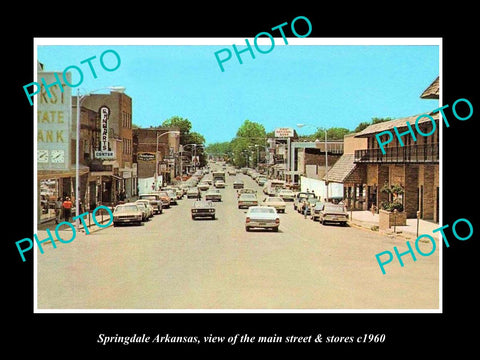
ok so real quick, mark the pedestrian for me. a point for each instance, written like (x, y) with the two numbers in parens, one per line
(58, 210)
(199, 196)
(67, 208)
(305, 208)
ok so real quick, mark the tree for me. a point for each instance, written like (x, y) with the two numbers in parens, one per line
(183, 124)
(249, 134)
(187, 136)
(375, 120)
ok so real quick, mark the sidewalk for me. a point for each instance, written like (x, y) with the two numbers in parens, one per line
(367, 220)
(92, 227)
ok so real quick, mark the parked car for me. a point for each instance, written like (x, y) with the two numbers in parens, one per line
(333, 213)
(203, 208)
(173, 196)
(144, 210)
(265, 217)
(178, 192)
(166, 201)
(219, 184)
(154, 200)
(148, 207)
(276, 202)
(128, 213)
(213, 195)
(238, 184)
(297, 202)
(193, 192)
(247, 200)
(286, 194)
(315, 210)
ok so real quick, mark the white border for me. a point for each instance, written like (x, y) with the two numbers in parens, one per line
(435, 41)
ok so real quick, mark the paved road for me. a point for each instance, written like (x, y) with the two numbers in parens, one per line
(173, 262)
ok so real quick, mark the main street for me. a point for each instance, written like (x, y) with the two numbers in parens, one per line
(174, 262)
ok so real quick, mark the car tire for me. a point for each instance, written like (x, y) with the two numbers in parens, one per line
(275, 229)
(247, 228)
(115, 224)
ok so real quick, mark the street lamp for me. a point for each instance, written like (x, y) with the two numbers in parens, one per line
(120, 89)
(176, 132)
(194, 152)
(326, 153)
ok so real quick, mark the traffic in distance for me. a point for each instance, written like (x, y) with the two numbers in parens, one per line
(207, 186)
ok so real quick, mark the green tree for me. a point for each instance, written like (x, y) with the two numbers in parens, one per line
(187, 136)
(183, 124)
(364, 124)
(248, 135)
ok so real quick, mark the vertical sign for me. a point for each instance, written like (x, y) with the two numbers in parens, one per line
(104, 153)
(54, 109)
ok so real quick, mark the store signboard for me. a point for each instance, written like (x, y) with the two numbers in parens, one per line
(54, 121)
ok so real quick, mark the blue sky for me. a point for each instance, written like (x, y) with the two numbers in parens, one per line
(321, 85)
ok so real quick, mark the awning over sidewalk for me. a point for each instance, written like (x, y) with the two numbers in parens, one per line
(52, 174)
(344, 171)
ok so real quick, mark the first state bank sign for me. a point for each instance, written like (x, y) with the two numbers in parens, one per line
(54, 120)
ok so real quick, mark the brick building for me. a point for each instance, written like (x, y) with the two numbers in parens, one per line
(112, 176)
(414, 166)
(351, 175)
(164, 164)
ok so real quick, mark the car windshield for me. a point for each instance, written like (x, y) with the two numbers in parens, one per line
(126, 208)
(214, 191)
(265, 210)
(273, 199)
(332, 207)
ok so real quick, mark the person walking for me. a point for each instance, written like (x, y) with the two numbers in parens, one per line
(305, 208)
(58, 210)
(67, 208)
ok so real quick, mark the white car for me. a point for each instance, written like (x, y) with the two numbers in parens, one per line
(264, 217)
(286, 194)
(213, 195)
(219, 184)
(149, 208)
(203, 186)
(127, 214)
(276, 202)
(193, 192)
(247, 200)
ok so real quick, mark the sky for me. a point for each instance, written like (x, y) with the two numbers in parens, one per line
(318, 85)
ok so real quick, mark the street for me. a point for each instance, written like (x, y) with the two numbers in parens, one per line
(174, 262)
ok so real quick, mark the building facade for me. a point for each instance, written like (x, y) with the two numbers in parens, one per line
(156, 151)
(414, 166)
(106, 147)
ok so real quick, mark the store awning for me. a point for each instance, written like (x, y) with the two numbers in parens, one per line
(56, 174)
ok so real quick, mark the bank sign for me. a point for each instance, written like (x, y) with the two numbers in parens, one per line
(284, 132)
(54, 122)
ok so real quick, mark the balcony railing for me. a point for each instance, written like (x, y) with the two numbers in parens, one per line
(428, 153)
